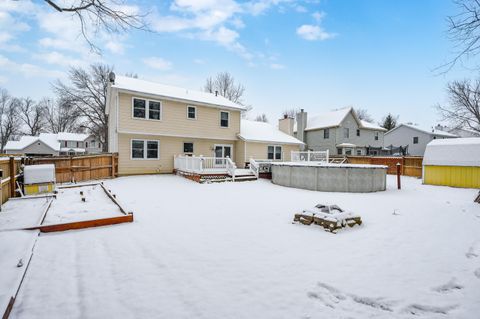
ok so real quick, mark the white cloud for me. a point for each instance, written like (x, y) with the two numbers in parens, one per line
(318, 16)
(28, 70)
(3, 79)
(57, 58)
(314, 32)
(277, 66)
(158, 63)
(199, 61)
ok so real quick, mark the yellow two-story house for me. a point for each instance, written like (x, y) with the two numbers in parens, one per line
(150, 124)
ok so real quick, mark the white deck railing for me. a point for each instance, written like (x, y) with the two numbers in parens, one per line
(205, 165)
(310, 156)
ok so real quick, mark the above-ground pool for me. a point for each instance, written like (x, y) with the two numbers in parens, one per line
(352, 178)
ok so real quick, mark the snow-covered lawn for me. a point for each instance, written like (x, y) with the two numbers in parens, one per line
(230, 250)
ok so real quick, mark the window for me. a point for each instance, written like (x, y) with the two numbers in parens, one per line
(154, 110)
(358, 132)
(339, 151)
(359, 152)
(65, 144)
(274, 152)
(188, 147)
(376, 136)
(86, 144)
(92, 143)
(346, 132)
(348, 151)
(191, 112)
(137, 149)
(139, 108)
(78, 144)
(142, 149)
(326, 133)
(415, 140)
(141, 111)
(224, 116)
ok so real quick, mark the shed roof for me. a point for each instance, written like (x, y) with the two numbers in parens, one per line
(453, 152)
(263, 132)
(178, 93)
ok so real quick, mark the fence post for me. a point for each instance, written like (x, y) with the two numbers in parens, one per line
(71, 169)
(113, 165)
(11, 168)
(399, 185)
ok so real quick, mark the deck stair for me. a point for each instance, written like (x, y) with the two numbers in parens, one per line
(338, 160)
(244, 174)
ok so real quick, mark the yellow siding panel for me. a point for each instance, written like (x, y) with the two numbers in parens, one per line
(456, 176)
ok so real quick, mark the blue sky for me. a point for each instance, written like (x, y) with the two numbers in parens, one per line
(316, 55)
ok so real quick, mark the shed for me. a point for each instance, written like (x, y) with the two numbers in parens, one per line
(452, 162)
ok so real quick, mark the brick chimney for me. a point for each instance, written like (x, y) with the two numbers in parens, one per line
(286, 124)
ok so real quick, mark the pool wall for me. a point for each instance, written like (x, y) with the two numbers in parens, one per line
(331, 178)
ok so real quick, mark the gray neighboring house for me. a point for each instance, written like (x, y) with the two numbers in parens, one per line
(415, 137)
(461, 132)
(341, 132)
(51, 144)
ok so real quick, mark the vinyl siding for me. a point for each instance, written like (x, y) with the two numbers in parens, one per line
(169, 147)
(174, 121)
(456, 176)
(260, 151)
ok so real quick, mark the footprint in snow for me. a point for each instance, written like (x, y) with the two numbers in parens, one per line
(477, 273)
(448, 287)
(417, 309)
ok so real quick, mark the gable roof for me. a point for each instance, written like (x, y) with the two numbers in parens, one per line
(453, 152)
(254, 131)
(25, 141)
(334, 119)
(64, 136)
(432, 131)
(172, 92)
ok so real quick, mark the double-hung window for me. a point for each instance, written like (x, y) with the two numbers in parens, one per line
(376, 136)
(147, 109)
(415, 140)
(326, 133)
(224, 118)
(188, 147)
(191, 112)
(358, 132)
(274, 152)
(143, 149)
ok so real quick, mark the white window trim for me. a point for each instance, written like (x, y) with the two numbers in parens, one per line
(190, 118)
(220, 119)
(223, 145)
(274, 152)
(144, 150)
(147, 109)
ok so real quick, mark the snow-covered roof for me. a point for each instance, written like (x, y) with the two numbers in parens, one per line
(20, 144)
(263, 132)
(172, 92)
(64, 136)
(51, 140)
(334, 119)
(72, 149)
(453, 152)
(432, 131)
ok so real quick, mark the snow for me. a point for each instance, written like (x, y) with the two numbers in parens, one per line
(453, 152)
(35, 174)
(161, 90)
(230, 250)
(432, 131)
(372, 126)
(72, 149)
(51, 140)
(21, 213)
(20, 144)
(64, 136)
(254, 131)
(69, 207)
(323, 164)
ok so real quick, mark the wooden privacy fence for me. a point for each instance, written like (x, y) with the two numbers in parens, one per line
(410, 165)
(10, 167)
(80, 168)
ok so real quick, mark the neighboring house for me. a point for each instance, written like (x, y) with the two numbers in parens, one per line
(340, 132)
(414, 137)
(151, 123)
(51, 144)
(461, 132)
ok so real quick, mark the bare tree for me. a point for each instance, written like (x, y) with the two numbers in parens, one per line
(262, 118)
(99, 15)
(290, 113)
(61, 115)
(224, 84)
(464, 31)
(364, 115)
(463, 109)
(9, 120)
(389, 122)
(87, 92)
(32, 115)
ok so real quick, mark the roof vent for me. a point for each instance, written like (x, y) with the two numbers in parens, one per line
(111, 77)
